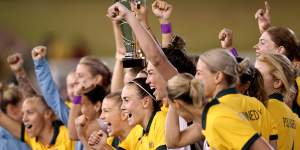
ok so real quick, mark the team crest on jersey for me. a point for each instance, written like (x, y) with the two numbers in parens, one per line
(151, 144)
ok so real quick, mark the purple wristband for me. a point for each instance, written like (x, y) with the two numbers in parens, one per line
(166, 28)
(76, 100)
(234, 52)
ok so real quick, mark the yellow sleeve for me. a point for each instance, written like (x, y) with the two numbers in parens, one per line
(132, 138)
(237, 135)
(160, 122)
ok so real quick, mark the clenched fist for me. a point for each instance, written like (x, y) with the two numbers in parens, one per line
(162, 9)
(39, 52)
(225, 37)
(80, 124)
(97, 139)
(15, 62)
(117, 12)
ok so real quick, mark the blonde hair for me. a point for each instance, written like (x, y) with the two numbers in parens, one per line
(10, 96)
(186, 88)
(282, 69)
(223, 61)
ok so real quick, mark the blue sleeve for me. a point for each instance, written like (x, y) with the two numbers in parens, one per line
(50, 90)
(8, 142)
(12, 144)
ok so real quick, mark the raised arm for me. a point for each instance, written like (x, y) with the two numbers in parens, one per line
(151, 49)
(176, 138)
(16, 63)
(118, 74)
(47, 85)
(263, 17)
(75, 111)
(162, 10)
(10, 125)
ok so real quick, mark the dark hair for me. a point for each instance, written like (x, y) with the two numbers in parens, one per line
(97, 94)
(285, 37)
(10, 96)
(135, 70)
(254, 77)
(180, 60)
(143, 90)
(96, 66)
(177, 42)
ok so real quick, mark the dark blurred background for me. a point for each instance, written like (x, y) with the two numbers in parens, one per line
(73, 28)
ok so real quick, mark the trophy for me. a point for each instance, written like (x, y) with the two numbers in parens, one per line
(133, 56)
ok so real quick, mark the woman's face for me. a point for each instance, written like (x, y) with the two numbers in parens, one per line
(132, 105)
(90, 110)
(157, 82)
(85, 78)
(265, 71)
(34, 117)
(207, 77)
(265, 45)
(71, 83)
(112, 116)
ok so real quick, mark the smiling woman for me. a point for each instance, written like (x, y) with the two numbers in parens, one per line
(40, 130)
(121, 134)
(143, 109)
(39, 122)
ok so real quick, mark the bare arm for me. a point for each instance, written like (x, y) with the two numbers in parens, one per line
(261, 145)
(118, 74)
(163, 10)
(16, 62)
(176, 138)
(151, 49)
(74, 113)
(11, 125)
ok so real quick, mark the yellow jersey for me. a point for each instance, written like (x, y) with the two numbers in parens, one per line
(225, 128)
(130, 142)
(285, 120)
(297, 137)
(296, 102)
(153, 137)
(253, 110)
(60, 139)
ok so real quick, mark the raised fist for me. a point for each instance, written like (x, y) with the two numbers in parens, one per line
(80, 123)
(162, 9)
(225, 37)
(15, 62)
(117, 12)
(39, 52)
(140, 10)
(263, 17)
